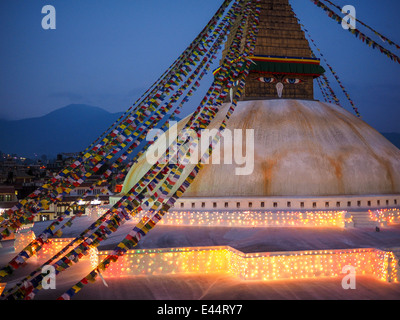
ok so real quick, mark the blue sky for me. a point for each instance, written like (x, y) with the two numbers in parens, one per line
(107, 53)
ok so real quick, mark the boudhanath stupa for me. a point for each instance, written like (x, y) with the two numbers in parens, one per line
(308, 155)
(317, 196)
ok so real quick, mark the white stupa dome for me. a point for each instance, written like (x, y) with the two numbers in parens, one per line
(302, 148)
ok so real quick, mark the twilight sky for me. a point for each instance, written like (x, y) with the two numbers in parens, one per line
(107, 53)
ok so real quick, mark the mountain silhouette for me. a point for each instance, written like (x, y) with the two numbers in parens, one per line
(69, 129)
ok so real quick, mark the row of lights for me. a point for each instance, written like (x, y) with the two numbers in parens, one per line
(255, 266)
(54, 246)
(51, 248)
(248, 218)
(266, 267)
(256, 219)
(389, 216)
(22, 240)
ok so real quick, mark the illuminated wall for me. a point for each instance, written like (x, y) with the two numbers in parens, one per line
(96, 211)
(256, 266)
(51, 248)
(386, 216)
(22, 240)
(256, 219)
(382, 265)
(54, 246)
(249, 218)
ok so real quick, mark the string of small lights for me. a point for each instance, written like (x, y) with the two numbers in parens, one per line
(336, 219)
(255, 266)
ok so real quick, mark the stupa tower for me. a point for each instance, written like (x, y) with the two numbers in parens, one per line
(284, 64)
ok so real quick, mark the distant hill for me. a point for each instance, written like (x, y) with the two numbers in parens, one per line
(69, 129)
